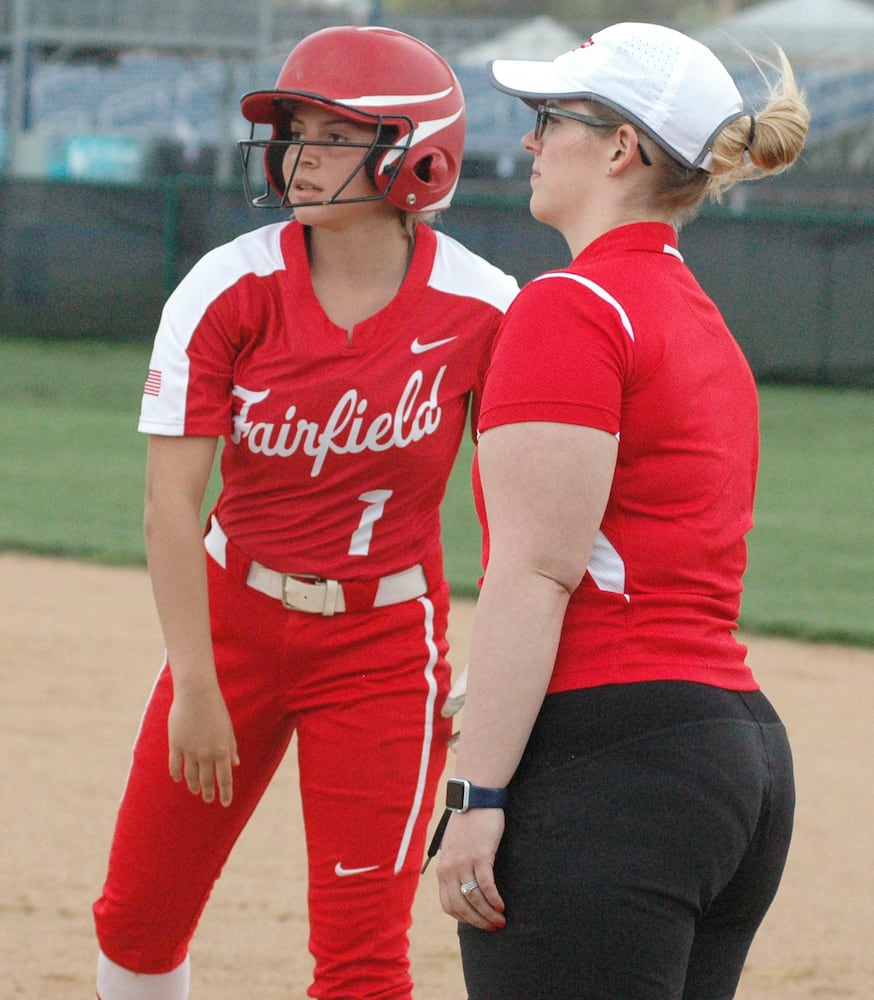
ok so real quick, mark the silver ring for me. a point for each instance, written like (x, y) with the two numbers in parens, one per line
(468, 887)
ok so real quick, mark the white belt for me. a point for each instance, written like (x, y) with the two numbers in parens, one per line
(307, 592)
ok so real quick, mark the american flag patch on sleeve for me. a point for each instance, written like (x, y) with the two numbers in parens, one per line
(153, 383)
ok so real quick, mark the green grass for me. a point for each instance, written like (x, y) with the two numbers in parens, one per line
(71, 459)
(71, 463)
(811, 570)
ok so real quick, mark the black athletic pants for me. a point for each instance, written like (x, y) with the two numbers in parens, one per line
(647, 830)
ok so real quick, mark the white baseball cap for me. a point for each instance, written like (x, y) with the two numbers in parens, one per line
(669, 85)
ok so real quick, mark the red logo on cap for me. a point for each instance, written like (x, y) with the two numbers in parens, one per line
(586, 44)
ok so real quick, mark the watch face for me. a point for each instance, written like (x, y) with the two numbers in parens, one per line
(456, 797)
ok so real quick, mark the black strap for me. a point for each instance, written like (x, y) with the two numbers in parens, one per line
(437, 839)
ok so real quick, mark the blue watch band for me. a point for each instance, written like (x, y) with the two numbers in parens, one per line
(461, 795)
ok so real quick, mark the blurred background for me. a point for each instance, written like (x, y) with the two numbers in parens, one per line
(118, 161)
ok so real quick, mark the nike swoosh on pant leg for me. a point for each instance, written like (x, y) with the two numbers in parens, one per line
(342, 872)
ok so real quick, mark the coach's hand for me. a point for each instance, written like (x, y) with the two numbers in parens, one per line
(203, 748)
(466, 859)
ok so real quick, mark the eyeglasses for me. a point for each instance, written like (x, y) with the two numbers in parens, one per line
(547, 113)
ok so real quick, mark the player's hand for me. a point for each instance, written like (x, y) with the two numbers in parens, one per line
(203, 748)
(467, 855)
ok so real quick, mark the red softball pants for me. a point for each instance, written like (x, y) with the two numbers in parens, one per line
(362, 691)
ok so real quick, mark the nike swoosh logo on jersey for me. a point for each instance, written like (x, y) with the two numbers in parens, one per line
(342, 872)
(418, 348)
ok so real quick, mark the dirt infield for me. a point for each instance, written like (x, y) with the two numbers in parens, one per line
(79, 647)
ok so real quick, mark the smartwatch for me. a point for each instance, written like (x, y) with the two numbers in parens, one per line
(461, 795)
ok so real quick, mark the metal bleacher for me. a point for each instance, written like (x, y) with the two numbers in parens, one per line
(216, 25)
(143, 93)
(169, 79)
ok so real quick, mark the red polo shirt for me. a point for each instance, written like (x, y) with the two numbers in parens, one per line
(626, 341)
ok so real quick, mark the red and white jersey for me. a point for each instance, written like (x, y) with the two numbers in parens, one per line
(337, 449)
(626, 341)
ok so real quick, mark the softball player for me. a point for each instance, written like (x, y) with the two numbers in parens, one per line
(624, 800)
(336, 356)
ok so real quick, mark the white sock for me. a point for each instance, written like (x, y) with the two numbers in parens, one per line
(116, 983)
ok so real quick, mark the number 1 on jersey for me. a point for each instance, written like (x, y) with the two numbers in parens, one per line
(361, 537)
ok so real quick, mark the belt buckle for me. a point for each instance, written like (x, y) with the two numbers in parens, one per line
(313, 594)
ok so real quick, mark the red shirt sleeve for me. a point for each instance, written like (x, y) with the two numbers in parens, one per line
(562, 354)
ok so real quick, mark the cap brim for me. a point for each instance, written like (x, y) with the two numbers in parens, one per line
(531, 81)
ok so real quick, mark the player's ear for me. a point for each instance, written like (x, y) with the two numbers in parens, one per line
(622, 148)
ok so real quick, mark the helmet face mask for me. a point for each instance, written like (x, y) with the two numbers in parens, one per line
(268, 170)
(371, 76)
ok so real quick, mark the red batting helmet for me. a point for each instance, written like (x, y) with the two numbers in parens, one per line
(375, 76)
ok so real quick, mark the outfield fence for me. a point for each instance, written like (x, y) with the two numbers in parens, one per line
(83, 261)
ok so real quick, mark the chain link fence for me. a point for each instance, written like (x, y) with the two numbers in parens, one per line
(87, 261)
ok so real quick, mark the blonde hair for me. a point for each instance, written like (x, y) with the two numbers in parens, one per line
(755, 145)
(764, 144)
